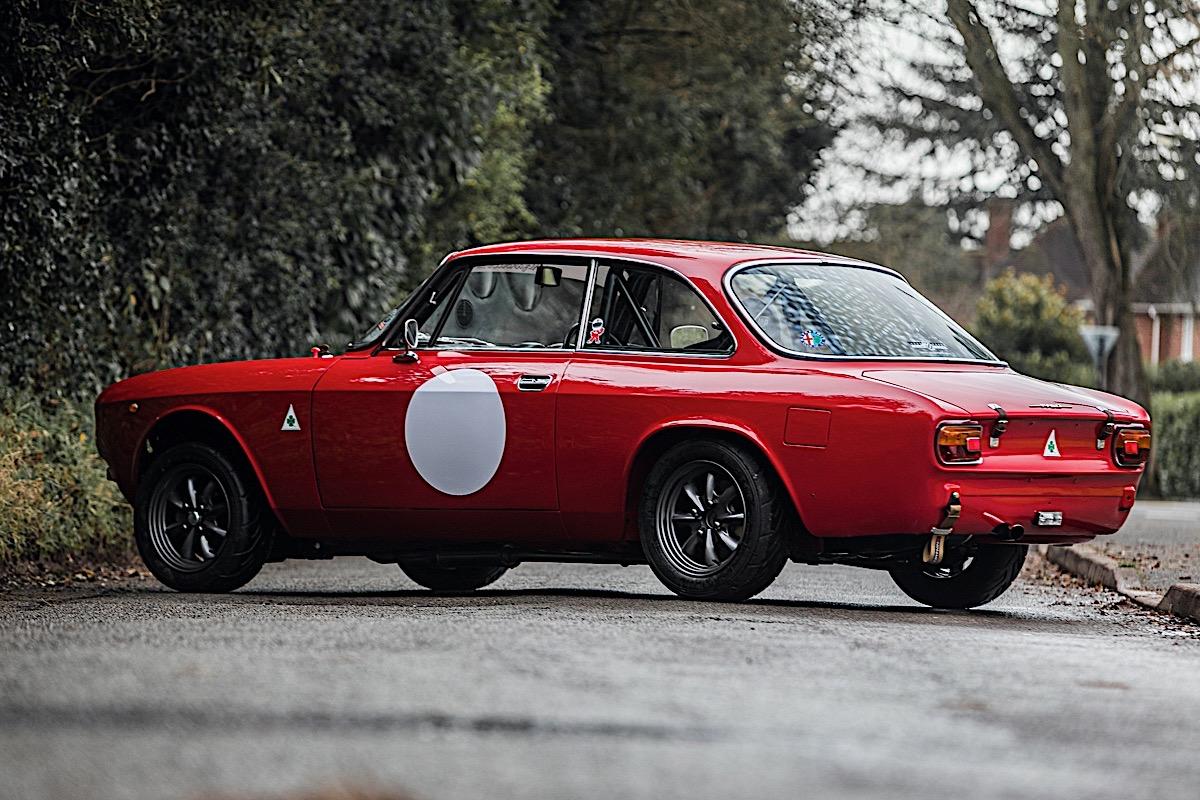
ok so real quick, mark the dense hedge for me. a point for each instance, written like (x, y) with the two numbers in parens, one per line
(1176, 376)
(191, 181)
(1176, 459)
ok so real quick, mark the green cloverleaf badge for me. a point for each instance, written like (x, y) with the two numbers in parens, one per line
(291, 422)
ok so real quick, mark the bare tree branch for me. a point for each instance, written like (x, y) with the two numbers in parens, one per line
(998, 92)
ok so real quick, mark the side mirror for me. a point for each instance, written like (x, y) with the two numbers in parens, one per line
(411, 340)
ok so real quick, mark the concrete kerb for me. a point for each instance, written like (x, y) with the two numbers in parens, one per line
(1089, 564)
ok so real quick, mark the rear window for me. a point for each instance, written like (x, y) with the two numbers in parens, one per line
(824, 310)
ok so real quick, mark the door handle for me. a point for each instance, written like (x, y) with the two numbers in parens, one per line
(534, 383)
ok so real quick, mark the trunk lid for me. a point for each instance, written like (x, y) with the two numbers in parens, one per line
(1043, 420)
(976, 392)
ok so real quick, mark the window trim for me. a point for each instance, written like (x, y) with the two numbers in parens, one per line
(447, 273)
(608, 261)
(453, 261)
(772, 345)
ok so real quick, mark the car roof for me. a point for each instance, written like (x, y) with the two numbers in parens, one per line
(691, 258)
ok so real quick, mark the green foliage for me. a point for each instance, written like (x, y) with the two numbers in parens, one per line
(1175, 459)
(184, 182)
(1176, 376)
(193, 181)
(1027, 321)
(670, 118)
(54, 498)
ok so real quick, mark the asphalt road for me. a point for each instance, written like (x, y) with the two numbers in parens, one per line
(579, 681)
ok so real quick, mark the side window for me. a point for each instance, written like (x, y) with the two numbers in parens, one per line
(512, 305)
(639, 308)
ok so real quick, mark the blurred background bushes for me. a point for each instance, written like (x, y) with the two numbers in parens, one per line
(1175, 461)
(54, 499)
(1027, 321)
(185, 182)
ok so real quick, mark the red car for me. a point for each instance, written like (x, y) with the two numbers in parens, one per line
(710, 409)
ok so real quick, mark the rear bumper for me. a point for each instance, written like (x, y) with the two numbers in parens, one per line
(1091, 505)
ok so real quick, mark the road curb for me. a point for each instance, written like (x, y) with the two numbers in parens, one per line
(1183, 600)
(1089, 564)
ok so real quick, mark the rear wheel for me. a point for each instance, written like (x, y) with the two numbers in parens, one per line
(199, 525)
(711, 520)
(465, 578)
(964, 579)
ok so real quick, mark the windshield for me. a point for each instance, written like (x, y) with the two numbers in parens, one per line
(823, 310)
(376, 330)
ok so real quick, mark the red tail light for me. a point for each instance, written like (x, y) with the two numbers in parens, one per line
(960, 443)
(1131, 447)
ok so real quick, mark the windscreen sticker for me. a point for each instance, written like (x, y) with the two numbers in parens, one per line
(597, 331)
(813, 338)
(920, 345)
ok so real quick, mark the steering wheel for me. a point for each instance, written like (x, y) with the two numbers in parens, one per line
(572, 332)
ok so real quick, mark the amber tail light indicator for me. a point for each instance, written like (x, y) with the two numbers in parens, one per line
(960, 443)
(1131, 447)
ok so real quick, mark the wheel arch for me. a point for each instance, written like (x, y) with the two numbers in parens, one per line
(202, 425)
(655, 443)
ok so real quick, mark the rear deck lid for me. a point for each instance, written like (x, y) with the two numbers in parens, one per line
(978, 392)
(1048, 426)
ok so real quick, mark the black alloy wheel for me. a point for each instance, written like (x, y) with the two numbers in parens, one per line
(712, 521)
(201, 525)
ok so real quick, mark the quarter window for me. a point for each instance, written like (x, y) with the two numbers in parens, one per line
(639, 308)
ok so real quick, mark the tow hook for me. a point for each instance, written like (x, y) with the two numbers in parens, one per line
(1107, 428)
(999, 426)
(935, 548)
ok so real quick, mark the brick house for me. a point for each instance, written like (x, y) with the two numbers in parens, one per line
(1166, 294)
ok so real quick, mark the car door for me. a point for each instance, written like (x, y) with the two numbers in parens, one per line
(655, 354)
(467, 422)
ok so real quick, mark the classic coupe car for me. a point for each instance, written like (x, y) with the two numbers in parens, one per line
(712, 410)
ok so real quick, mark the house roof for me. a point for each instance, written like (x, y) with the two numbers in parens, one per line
(1166, 271)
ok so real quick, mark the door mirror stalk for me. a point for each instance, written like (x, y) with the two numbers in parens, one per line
(411, 339)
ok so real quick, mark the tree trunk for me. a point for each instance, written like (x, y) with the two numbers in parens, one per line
(1108, 264)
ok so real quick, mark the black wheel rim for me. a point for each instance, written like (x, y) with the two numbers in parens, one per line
(188, 518)
(701, 518)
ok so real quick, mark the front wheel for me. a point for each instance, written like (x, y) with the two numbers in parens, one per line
(466, 578)
(711, 521)
(199, 524)
(965, 579)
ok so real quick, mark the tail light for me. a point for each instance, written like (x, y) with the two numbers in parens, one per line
(960, 443)
(1131, 447)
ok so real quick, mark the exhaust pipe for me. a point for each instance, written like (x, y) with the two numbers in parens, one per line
(1009, 533)
(1004, 531)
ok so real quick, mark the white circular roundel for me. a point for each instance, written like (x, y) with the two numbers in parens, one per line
(455, 430)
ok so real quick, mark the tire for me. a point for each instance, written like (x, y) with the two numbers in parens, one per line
(167, 512)
(714, 554)
(466, 578)
(972, 580)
